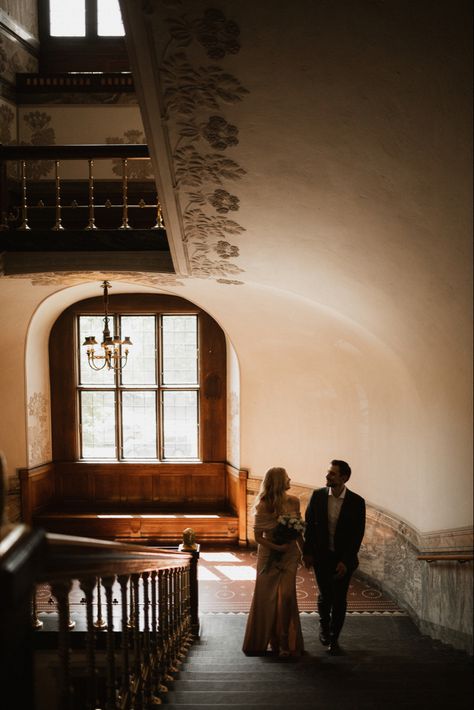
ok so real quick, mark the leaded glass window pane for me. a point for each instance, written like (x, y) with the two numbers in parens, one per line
(180, 350)
(141, 366)
(180, 427)
(98, 425)
(139, 425)
(93, 325)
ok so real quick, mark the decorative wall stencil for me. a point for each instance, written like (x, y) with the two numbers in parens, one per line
(201, 136)
(7, 124)
(41, 133)
(14, 58)
(71, 278)
(136, 169)
(39, 439)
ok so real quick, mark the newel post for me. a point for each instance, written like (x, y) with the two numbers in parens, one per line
(189, 545)
(22, 553)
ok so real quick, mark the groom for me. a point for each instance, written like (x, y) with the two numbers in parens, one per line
(335, 523)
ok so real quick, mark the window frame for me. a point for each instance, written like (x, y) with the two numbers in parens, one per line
(80, 54)
(118, 388)
(212, 407)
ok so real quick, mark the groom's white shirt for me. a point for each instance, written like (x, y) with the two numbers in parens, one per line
(334, 509)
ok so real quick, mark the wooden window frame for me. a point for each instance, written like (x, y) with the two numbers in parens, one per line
(80, 54)
(63, 359)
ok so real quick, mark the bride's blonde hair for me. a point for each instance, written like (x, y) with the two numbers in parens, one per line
(273, 490)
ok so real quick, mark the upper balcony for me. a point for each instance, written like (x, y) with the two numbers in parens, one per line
(98, 212)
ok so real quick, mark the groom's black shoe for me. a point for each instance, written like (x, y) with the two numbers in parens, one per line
(324, 638)
(334, 648)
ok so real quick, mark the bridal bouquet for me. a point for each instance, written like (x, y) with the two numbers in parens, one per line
(288, 528)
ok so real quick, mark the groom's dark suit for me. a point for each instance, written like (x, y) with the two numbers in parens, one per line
(348, 536)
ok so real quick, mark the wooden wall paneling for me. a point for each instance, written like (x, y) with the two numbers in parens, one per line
(208, 489)
(62, 364)
(213, 409)
(106, 487)
(136, 487)
(75, 487)
(37, 490)
(236, 481)
(173, 489)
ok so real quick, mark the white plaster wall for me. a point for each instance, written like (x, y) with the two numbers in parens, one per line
(313, 386)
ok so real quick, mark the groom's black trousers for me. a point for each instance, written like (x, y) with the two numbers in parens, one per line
(332, 599)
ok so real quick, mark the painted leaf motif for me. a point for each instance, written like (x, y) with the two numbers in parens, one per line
(213, 268)
(197, 198)
(227, 87)
(180, 30)
(219, 167)
(188, 130)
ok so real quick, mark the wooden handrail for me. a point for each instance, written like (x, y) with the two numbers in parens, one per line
(155, 591)
(71, 556)
(90, 151)
(446, 558)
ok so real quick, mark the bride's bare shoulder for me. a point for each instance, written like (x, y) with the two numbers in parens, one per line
(262, 507)
(293, 503)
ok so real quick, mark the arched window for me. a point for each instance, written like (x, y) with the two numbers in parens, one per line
(167, 405)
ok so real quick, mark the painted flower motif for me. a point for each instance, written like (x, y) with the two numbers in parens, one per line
(6, 123)
(223, 201)
(217, 35)
(220, 134)
(41, 132)
(226, 250)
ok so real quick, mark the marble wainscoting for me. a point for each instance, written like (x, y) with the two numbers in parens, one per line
(438, 595)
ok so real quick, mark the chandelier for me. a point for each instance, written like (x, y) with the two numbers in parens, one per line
(111, 355)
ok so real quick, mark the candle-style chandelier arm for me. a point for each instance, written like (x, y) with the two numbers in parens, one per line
(112, 356)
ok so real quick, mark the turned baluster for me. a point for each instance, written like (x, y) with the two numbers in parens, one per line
(137, 646)
(125, 224)
(125, 675)
(24, 201)
(99, 623)
(61, 592)
(58, 223)
(108, 583)
(91, 225)
(87, 585)
(35, 622)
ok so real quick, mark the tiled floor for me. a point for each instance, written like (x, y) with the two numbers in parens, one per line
(226, 580)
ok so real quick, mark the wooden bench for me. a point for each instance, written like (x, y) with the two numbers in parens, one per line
(147, 503)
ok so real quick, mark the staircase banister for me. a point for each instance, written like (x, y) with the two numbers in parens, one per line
(72, 556)
(87, 151)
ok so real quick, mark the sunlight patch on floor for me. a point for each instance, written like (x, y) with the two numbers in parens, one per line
(219, 557)
(205, 575)
(243, 572)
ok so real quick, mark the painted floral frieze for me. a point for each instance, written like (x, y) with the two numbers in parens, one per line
(39, 440)
(196, 96)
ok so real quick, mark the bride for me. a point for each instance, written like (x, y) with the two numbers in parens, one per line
(274, 618)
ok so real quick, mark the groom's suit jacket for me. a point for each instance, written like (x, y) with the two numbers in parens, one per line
(349, 530)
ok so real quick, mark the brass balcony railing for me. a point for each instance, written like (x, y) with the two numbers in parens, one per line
(80, 201)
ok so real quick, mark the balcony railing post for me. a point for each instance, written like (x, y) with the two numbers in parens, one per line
(57, 185)
(24, 200)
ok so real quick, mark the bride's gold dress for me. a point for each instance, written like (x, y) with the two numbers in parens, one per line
(274, 598)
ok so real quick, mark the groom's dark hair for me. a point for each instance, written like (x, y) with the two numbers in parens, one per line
(344, 468)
